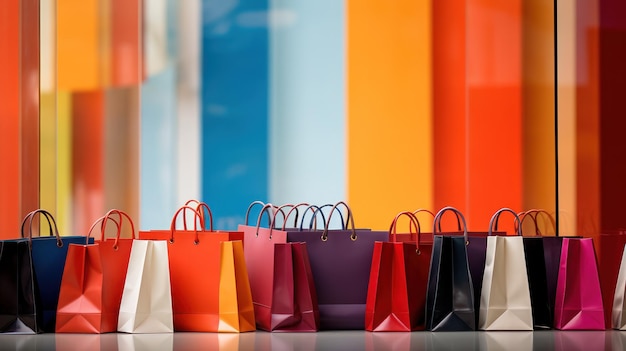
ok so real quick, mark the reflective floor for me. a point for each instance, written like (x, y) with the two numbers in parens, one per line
(329, 340)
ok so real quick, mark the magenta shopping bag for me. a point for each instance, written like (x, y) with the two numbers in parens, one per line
(578, 304)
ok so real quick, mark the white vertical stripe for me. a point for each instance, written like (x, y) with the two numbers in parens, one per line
(307, 101)
(189, 100)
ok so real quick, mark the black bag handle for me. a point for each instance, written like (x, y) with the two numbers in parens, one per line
(437, 221)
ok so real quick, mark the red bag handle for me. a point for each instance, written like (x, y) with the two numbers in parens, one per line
(197, 216)
(101, 220)
(350, 218)
(51, 223)
(265, 209)
(419, 210)
(493, 223)
(413, 221)
(121, 214)
(200, 207)
(437, 221)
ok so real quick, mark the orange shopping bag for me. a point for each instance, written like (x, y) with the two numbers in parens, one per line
(210, 288)
(93, 281)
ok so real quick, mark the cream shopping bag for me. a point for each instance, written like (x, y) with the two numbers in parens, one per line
(147, 298)
(619, 317)
(505, 296)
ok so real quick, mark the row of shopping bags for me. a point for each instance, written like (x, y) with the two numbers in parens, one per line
(484, 282)
(160, 281)
(297, 277)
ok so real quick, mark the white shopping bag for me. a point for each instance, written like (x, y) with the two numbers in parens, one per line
(505, 296)
(147, 298)
(619, 317)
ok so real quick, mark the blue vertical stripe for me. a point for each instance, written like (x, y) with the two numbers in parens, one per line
(158, 150)
(234, 107)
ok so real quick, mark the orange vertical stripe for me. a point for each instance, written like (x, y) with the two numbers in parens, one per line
(389, 109)
(449, 104)
(78, 44)
(494, 126)
(9, 118)
(87, 159)
(539, 172)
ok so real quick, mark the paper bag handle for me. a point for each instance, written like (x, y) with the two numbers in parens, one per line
(121, 215)
(102, 220)
(265, 209)
(536, 212)
(413, 222)
(318, 209)
(350, 218)
(254, 203)
(29, 215)
(51, 222)
(493, 223)
(197, 217)
(293, 208)
(200, 207)
(437, 221)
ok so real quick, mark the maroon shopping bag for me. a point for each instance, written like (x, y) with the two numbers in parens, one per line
(396, 294)
(281, 279)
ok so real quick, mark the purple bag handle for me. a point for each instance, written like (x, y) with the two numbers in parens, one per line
(437, 221)
(413, 222)
(353, 236)
(313, 223)
(493, 223)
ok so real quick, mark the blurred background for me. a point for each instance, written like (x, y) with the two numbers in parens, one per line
(388, 105)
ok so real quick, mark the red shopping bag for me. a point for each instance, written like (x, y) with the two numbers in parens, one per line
(93, 281)
(198, 259)
(396, 294)
(280, 275)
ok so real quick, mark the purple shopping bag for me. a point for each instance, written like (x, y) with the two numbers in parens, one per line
(340, 261)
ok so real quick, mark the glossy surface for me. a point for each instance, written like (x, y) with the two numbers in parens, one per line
(331, 340)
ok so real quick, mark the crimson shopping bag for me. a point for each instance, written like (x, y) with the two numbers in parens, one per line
(396, 294)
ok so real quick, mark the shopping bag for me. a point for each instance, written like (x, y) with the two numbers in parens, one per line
(146, 305)
(611, 244)
(476, 253)
(618, 317)
(49, 253)
(505, 297)
(537, 270)
(450, 294)
(396, 294)
(281, 279)
(196, 260)
(20, 308)
(340, 262)
(578, 304)
(93, 281)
